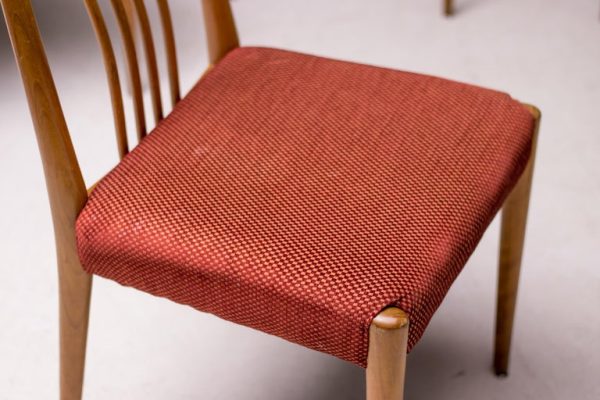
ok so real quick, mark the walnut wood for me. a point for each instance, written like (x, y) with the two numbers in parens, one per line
(386, 363)
(221, 33)
(169, 38)
(132, 64)
(65, 185)
(512, 237)
(448, 7)
(151, 64)
(112, 72)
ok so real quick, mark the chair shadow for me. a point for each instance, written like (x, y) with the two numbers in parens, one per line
(432, 362)
(442, 358)
(445, 354)
(344, 382)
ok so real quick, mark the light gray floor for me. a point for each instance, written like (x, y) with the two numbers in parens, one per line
(141, 347)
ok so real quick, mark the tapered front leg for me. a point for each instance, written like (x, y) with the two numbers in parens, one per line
(512, 237)
(386, 364)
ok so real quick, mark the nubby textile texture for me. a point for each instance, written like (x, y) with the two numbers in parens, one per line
(300, 196)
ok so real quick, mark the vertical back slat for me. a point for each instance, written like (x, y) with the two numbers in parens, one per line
(130, 11)
(221, 33)
(112, 72)
(132, 64)
(169, 37)
(151, 64)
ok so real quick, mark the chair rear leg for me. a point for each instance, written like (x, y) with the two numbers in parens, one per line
(74, 301)
(448, 7)
(512, 236)
(386, 364)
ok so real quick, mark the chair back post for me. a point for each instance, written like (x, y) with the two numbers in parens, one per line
(64, 181)
(66, 189)
(221, 33)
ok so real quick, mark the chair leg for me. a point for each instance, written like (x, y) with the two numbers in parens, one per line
(448, 7)
(512, 236)
(74, 302)
(386, 364)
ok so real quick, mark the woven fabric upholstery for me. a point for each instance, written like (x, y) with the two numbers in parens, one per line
(300, 195)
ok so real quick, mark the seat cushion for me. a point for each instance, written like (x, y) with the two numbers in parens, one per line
(300, 196)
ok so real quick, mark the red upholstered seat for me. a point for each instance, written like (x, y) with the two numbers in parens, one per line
(299, 195)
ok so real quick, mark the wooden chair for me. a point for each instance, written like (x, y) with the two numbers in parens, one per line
(388, 334)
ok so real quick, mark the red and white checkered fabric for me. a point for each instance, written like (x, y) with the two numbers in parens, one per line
(300, 195)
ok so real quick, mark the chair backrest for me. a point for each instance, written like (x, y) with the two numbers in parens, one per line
(66, 188)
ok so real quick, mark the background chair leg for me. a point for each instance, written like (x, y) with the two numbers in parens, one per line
(386, 364)
(448, 7)
(74, 301)
(512, 236)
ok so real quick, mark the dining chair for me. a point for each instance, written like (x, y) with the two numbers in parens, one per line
(329, 203)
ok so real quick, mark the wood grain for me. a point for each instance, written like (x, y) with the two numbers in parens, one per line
(512, 238)
(66, 190)
(386, 364)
